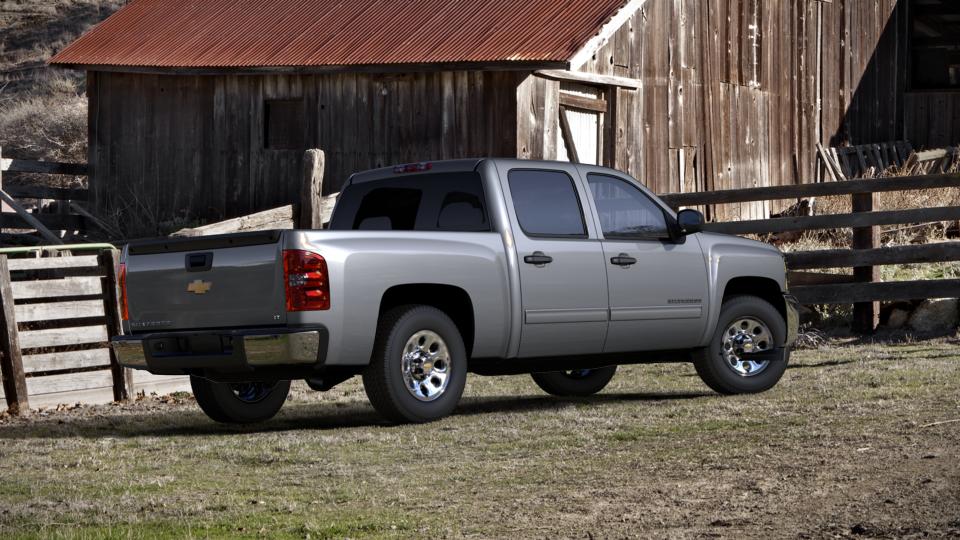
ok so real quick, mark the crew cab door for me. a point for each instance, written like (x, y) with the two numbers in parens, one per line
(658, 288)
(562, 277)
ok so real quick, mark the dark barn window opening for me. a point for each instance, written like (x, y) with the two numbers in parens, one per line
(284, 125)
(934, 44)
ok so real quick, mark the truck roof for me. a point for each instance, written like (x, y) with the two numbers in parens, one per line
(446, 165)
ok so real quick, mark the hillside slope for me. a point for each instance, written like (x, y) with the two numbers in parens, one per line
(43, 110)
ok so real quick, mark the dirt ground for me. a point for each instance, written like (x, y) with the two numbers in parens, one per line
(856, 442)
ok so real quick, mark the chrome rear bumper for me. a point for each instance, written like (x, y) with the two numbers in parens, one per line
(177, 352)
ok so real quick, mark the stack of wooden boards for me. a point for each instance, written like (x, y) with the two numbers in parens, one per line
(895, 158)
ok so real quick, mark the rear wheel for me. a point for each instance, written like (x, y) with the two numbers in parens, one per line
(419, 365)
(239, 403)
(577, 382)
(746, 354)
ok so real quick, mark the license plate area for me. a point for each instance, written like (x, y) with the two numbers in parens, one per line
(198, 345)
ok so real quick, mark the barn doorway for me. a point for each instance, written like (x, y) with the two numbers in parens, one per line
(583, 118)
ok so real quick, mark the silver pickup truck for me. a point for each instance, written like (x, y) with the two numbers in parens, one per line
(432, 270)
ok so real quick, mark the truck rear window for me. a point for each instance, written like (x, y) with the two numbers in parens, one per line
(414, 202)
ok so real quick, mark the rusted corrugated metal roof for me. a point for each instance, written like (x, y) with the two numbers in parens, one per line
(302, 33)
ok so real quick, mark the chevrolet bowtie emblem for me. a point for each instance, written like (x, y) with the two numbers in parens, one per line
(199, 286)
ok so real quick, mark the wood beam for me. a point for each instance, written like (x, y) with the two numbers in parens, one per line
(839, 221)
(590, 78)
(571, 101)
(850, 293)
(567, 135)
(824, 189)
(845, 258)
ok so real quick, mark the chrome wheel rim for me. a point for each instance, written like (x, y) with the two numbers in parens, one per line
(426, 365)
(252, 392)
(745, 336)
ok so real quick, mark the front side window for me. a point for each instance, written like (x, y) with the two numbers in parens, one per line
(625, 211)
(546, 203)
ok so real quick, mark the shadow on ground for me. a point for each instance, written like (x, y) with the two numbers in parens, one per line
(189, 421)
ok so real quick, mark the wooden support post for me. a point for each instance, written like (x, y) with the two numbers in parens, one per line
(866, 315)
(11, 361)
(311, 191)
(568, 139)
(3, 205)
(110, 263)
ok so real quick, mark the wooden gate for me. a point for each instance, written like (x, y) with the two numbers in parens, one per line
(57, 317)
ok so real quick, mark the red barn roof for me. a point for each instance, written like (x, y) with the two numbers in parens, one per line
(317, 33)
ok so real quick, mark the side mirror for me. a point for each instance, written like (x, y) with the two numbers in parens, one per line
(690, 221)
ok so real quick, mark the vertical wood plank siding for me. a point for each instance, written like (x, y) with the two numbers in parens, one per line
(750, 87)
(166, 150)
(735, 93)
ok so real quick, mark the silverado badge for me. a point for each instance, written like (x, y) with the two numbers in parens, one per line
(199, 286)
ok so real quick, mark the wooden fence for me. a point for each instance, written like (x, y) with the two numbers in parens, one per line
(70, 215)
(57, 317)
(863, 288)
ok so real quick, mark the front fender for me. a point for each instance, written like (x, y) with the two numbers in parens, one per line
(731, 257)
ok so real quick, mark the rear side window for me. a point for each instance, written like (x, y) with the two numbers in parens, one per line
(388, 209)
(547, 204)
(414, 202)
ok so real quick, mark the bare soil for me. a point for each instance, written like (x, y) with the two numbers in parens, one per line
(847, 446)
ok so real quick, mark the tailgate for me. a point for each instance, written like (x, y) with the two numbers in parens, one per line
(233, 280)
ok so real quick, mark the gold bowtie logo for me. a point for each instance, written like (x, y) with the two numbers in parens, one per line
(199, 286)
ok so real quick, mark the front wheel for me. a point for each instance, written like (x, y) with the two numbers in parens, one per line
(746, 354)
(239, 403)
(577, 382)
(419, 365)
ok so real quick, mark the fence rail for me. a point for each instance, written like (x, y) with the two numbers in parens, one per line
(863, 289)
(70, 216)
(799, 191)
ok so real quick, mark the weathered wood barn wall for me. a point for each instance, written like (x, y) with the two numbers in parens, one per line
(726, 94)
(167, 149)
(737, 93)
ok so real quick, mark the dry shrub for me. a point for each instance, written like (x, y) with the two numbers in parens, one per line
(49, 126)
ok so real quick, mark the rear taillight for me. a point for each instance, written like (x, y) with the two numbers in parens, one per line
(305, 280)
(122, 279)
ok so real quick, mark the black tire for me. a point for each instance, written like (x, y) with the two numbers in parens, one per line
(239, 403)
(384, 380)
(577, 382)
(720, 375)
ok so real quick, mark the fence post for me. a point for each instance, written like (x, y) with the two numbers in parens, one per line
(11, 361)
(3, 205)
(866, 315)
(311, 190)
(109, 262)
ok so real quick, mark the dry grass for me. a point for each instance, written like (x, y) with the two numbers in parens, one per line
(839, 448)
(43, 110)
